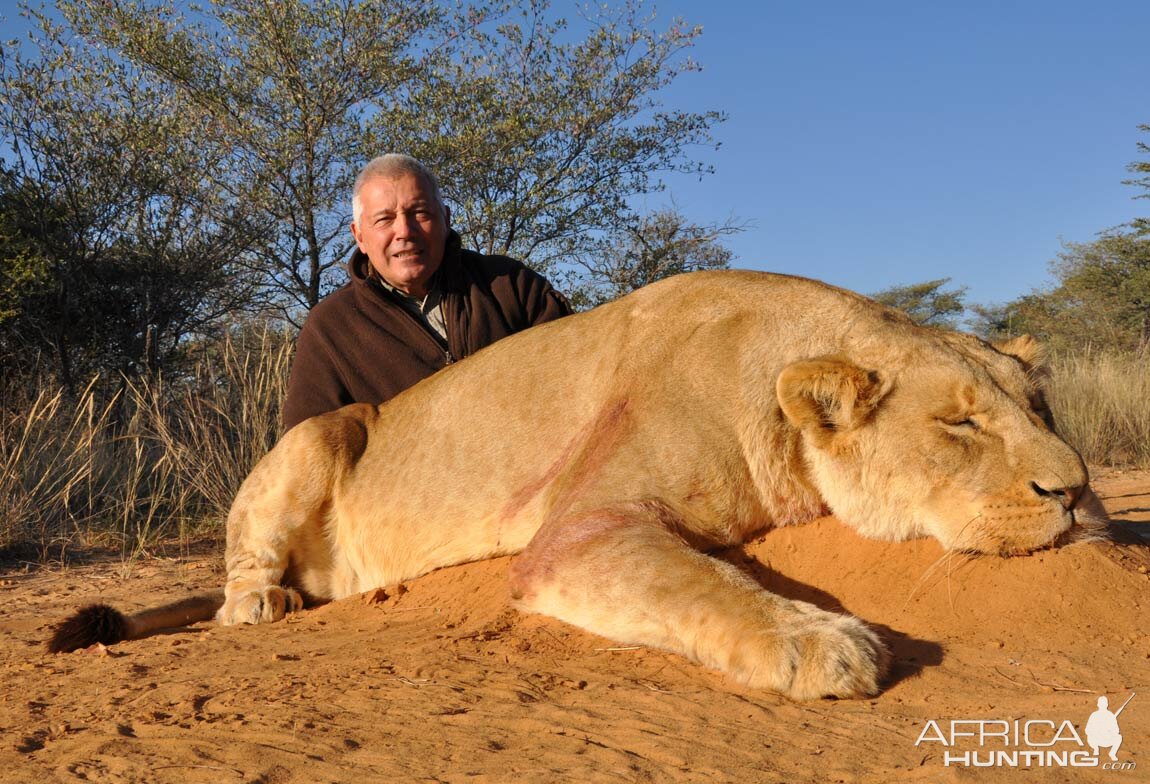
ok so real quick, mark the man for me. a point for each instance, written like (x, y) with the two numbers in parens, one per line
(1102, 728)
(416, 301)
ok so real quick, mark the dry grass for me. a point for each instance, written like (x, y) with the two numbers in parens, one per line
(1101, 402)
(145, 463)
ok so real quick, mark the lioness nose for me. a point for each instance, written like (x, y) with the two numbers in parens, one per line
(1067, 496)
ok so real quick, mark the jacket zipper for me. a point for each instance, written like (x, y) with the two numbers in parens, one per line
(446, 327)
(448, 357)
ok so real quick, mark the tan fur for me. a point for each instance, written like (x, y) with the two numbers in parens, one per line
(613, 447)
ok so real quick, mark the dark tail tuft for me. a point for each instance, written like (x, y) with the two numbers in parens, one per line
(90, 625)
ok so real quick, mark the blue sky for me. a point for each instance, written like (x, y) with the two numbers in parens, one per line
(881, 143)
(878, 143)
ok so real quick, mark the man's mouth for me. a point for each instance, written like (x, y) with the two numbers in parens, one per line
(407, 255)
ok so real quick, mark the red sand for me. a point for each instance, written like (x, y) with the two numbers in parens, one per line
(443, 682)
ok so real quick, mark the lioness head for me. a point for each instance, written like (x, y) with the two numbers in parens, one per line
(950, 437)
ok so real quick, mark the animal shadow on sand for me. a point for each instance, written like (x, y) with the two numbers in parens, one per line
(909, 655)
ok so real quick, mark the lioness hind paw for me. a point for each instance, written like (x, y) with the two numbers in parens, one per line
(266, 605)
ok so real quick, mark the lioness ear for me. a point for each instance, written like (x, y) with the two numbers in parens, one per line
(828, 396)
(1025, 348)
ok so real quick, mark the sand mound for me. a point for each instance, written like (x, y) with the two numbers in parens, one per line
(438, 680)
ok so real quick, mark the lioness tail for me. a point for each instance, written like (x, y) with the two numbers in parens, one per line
(99, 623)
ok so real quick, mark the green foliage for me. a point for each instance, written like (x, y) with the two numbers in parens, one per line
(132, 251)
(1141, 225)
(1110, 280)
(242, 123)
(275, 92)
(543, 130)
(928, 302)
(1101, 300)
(24, 266)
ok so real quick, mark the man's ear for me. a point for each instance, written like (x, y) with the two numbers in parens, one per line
(447, 215)
(355, 233)
(828, 396)
(1024, 348)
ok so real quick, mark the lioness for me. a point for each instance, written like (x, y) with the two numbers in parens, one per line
(611, 448)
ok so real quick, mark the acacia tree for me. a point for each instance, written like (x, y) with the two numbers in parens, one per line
(658, 245)
(1102, 295)
(543, 130)
(1141, 225)
(927, 302)
(279, 91)
(1101, 300)
(131, 254)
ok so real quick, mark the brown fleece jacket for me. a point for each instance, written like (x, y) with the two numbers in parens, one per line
(359, 345)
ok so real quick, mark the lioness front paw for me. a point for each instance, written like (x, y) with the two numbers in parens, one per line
(835, 656)
(266, 605)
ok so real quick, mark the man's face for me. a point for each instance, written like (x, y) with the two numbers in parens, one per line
(402, 230)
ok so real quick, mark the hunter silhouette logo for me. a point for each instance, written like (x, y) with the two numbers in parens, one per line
(1030, 743)
(1102, 727)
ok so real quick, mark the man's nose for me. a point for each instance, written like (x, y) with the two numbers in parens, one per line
(406, 225)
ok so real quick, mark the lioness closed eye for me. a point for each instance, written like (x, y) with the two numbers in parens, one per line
(704, 408)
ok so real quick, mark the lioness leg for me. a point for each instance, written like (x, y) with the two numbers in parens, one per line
(623, 573)
(279, 516)
(260, 526)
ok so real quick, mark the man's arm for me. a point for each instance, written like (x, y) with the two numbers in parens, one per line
(541, 302)
(314, 386)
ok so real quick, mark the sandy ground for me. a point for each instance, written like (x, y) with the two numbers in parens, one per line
(442, 682)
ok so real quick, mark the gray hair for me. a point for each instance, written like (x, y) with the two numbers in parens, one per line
(392, 166)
